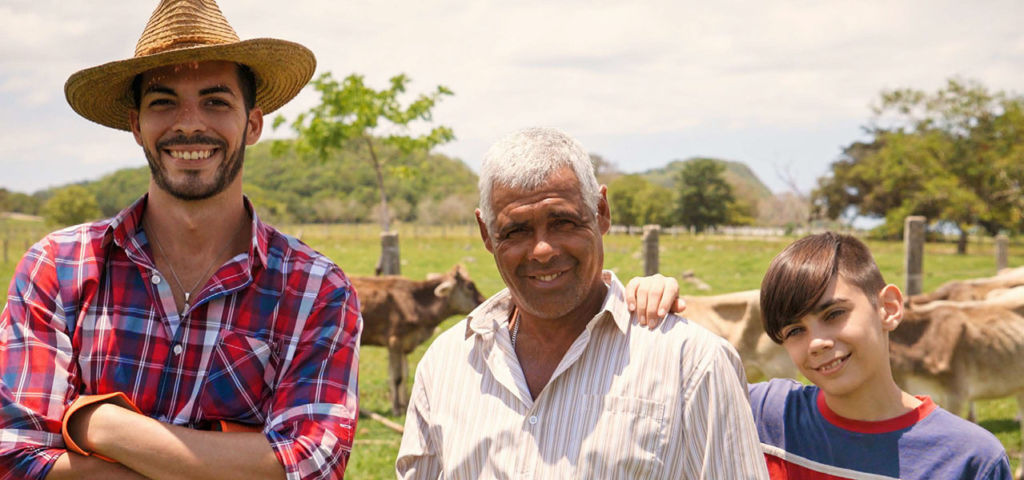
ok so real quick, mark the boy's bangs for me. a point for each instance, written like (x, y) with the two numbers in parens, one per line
(795, 281)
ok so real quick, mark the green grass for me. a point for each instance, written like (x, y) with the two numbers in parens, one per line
(16, 236)
(726, 264)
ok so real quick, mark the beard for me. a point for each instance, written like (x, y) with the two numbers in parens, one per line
(192, 187)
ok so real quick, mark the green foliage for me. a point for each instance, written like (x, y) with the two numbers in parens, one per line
(71, 205)
(353, 115)
(117, 190)
(605, 170)
(705, 198)
(19, 202)
(738, 174)
(748, 190)
(289, 188)
(636, 201)
(955, 156)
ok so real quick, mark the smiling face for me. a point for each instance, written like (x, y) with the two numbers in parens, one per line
(842, 343)
(548, 247)
(193, 126)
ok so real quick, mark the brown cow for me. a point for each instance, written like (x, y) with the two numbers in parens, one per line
(737, 318)
(400, 314)
(973, 289)
(957, 353)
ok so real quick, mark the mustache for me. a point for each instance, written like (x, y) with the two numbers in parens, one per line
(193, 140)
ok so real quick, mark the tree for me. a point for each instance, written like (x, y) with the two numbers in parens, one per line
(954, 156)
(636, 201)
(18, 202)
(605, 170)
(787, 209)
(350, 112)
(70, 206)
(117, 190)
(705, 198)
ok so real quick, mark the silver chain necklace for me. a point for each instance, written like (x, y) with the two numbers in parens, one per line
(202, 278)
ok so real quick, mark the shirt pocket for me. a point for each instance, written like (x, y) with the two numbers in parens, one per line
(628, 439)
(238, 382)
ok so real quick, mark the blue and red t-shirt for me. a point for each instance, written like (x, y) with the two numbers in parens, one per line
(803, 439)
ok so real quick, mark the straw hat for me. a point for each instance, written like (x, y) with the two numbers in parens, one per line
(182, 31)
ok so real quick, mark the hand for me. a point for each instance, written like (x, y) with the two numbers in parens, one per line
(651, 297)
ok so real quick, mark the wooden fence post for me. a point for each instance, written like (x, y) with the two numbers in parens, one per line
(1002, 251)
(913, 242)
(390, 261)
(650, 242)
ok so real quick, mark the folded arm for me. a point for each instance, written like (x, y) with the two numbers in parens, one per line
(159, 450)
(308, 435)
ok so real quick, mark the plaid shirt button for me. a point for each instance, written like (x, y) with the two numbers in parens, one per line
(177, 349)
(155, 279)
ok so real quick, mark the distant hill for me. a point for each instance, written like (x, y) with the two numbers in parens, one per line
(738, 174)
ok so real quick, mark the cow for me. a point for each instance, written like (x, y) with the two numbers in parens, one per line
(957, 353)
(737, 318)
(973, 289)
(400, 314)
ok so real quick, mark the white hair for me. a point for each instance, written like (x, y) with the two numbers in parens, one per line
(524, 160)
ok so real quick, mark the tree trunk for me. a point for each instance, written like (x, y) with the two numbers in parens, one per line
(385, 217)
(961, 243)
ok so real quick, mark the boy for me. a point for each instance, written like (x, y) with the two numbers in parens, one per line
(824, 300)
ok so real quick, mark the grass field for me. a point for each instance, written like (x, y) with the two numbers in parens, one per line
(727, 264)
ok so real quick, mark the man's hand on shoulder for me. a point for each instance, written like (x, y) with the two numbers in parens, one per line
(652, 298)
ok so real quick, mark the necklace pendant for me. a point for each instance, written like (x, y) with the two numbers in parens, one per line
(185, 307)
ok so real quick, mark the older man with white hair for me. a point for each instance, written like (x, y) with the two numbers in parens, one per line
(551, 378)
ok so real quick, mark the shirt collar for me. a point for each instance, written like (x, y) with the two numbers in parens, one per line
(494, 312)
(260, 234)
(127, 223)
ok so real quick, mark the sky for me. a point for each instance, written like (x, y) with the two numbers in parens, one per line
(781, 86)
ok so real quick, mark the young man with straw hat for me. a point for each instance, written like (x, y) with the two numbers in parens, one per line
(184, 337)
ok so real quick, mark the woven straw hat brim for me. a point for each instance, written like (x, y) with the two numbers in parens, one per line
(103, 94)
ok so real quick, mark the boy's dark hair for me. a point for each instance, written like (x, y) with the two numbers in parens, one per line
(799, 276)
(246, 82)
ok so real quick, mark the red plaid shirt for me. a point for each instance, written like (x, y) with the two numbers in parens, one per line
(272, 340)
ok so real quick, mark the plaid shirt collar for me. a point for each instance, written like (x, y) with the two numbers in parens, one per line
(125, 229)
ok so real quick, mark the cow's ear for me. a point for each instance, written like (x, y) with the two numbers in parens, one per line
(890, 305)
(445, 288)
(458, 271)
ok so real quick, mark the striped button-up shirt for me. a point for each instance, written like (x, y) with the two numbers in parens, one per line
(625, 402)
(271, 340)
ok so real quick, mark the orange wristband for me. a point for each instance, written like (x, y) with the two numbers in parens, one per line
(117, 398)
(226, 426)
